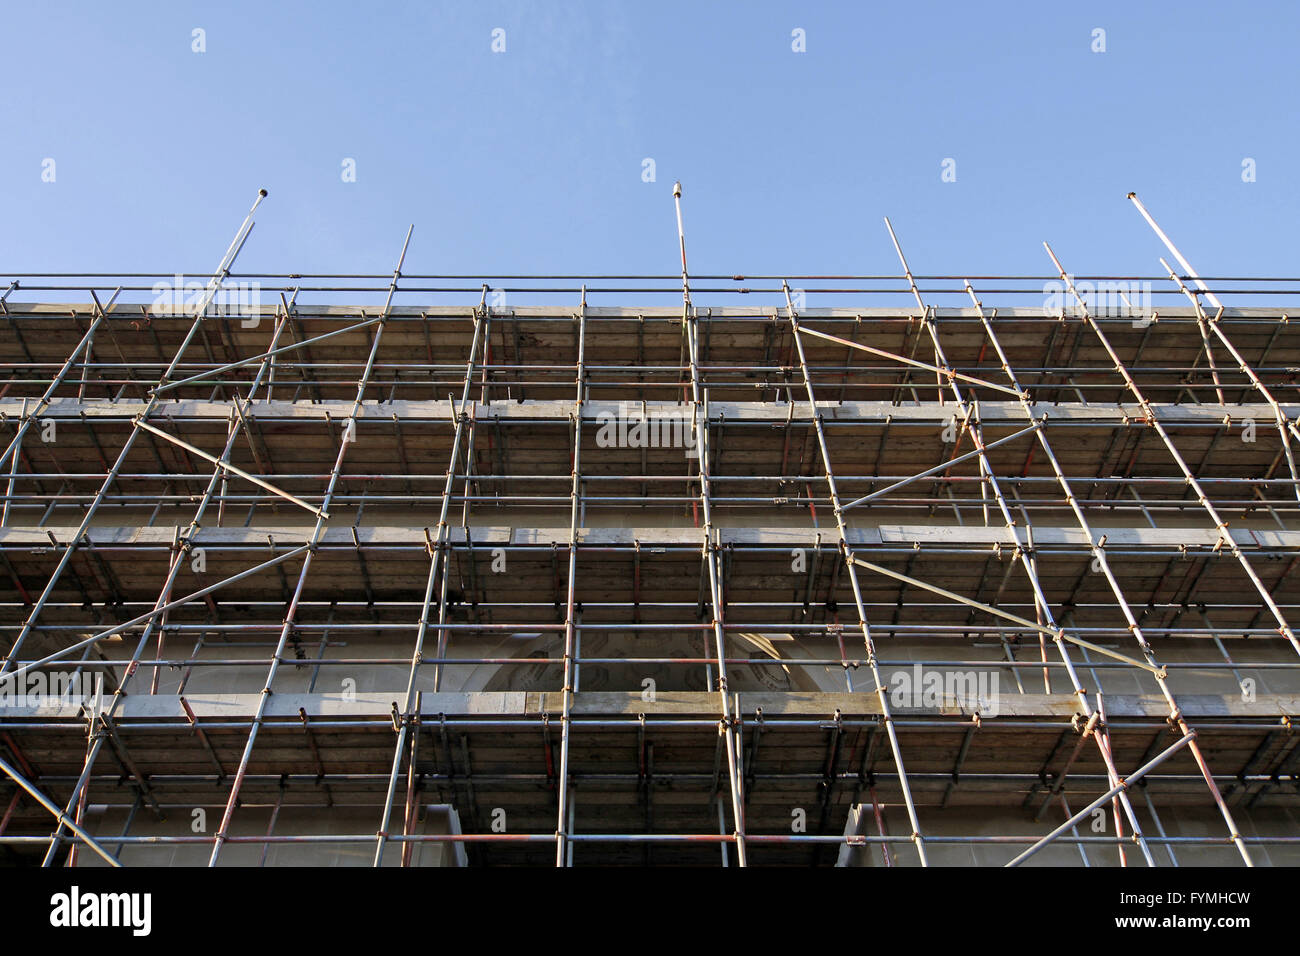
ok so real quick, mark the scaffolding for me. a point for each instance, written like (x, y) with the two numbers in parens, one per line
(372, 565)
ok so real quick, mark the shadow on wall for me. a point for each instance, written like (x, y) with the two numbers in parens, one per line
(619, 663)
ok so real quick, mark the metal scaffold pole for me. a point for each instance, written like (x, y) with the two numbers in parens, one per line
(728, 726)
(348, 438)
(847, 551)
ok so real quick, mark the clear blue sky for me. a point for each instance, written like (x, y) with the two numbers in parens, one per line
(531, 160)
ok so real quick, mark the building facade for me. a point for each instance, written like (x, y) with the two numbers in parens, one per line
(333, 571)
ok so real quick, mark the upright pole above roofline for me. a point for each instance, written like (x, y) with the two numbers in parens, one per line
(1169, 244)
